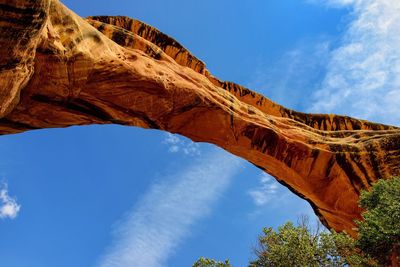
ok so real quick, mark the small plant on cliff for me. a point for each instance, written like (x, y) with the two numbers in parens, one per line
(379, 232)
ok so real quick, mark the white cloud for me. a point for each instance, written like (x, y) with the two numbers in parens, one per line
(179, 144)
(266, 192)
(363, 74)
(165, 215)
(9, 207)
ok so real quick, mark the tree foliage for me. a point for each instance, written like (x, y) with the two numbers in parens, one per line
(300, 246)
(379, 232)
(378, 240)
(204, 262)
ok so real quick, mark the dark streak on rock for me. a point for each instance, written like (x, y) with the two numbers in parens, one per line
(329, 166)
(314, 155)
(135, 114)
(119, 37)
(374, 163)
(356, 159)
(16, 125)
(265, 140)
(353, 177)
(79, 105)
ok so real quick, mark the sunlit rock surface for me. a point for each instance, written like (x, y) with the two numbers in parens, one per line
(58, 70)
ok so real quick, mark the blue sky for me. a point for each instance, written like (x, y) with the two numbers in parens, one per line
(123, 196)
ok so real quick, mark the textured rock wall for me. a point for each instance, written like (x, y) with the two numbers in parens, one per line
(59, 70)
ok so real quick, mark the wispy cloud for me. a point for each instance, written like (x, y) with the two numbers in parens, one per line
(266, 191)
(363, 74)
(9, 208)
(180, 144)
(295, 74)
(273, 199)
(165, 215)
(357, 76)
(333, 3)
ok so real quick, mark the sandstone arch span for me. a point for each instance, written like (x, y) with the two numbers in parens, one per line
(59, 70)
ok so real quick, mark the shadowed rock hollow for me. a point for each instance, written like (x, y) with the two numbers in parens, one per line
(59, 70)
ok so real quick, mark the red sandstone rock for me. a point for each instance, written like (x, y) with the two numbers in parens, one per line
(58, 70)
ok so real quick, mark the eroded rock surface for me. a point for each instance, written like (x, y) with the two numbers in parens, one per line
(58, 70)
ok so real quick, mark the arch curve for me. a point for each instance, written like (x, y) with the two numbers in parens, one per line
(116, 70)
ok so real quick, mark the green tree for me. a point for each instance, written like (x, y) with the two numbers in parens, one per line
(378, 237)
(203, 262)
(379, 231)
(300, 246)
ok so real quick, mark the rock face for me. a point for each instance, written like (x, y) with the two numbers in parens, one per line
(58, 70)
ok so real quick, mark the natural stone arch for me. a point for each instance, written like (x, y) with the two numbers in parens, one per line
(59, 70)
